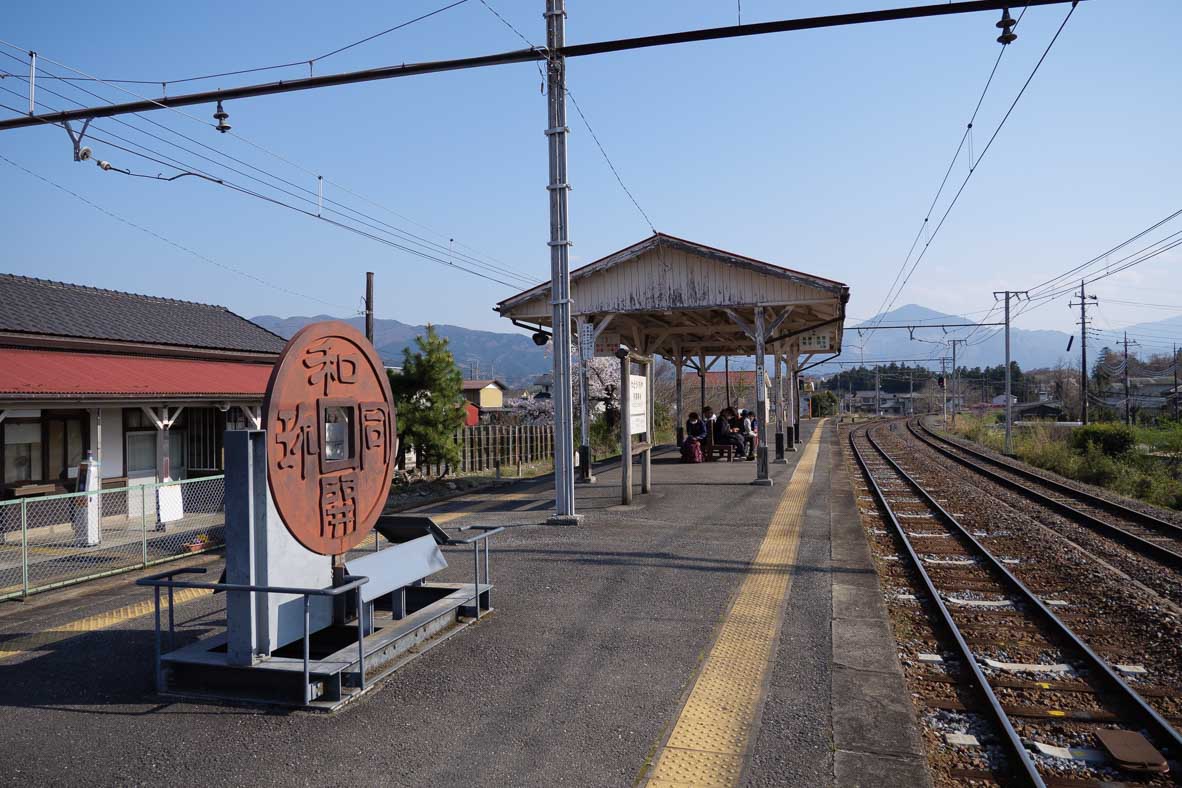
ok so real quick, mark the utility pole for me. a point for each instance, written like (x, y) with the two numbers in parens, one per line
(955, 380)
(1007, 294)
(556, 133)
(911, 392)
(1083, 351)
(944, 391)
(1174, 358)
(369, 306)
(1128, 417)
(877, 389)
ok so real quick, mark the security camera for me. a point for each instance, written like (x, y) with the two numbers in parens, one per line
(84, 154)
(541, 338)
(622, 352)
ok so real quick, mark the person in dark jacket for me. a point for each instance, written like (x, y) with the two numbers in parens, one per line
(695, 428)
(727, 431)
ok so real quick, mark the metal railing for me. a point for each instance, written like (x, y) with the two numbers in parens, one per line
(57, 540)
(166, 580)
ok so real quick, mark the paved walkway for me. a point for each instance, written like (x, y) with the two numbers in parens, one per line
(603, 635)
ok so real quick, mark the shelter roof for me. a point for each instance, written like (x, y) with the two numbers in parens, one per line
(676, 297)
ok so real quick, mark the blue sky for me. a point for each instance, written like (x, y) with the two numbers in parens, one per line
(818, 150)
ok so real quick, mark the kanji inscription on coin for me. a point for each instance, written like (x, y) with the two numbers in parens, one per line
(331, 437)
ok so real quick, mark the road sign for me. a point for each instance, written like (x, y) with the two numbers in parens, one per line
(331, 437)
(638, 404)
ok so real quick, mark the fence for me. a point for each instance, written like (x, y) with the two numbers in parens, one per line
(57, 540)
(487, 446)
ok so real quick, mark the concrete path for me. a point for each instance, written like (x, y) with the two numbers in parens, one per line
(599, 637)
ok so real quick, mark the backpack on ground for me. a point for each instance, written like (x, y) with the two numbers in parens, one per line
(691, 451)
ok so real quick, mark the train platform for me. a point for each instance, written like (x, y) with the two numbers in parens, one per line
(712, 633)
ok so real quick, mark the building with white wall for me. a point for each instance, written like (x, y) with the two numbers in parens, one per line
(144, 386)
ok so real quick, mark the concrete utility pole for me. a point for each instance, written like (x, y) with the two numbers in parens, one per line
(1174, 358)
(944, 390)
(1128, 417)
(556, 132)
(1007, 294)
(369, 306)
(1083, 351)
(877, 389)
(955, 381)
(911, 392)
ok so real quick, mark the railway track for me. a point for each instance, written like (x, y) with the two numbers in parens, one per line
(1143, 533)
(1058, 694)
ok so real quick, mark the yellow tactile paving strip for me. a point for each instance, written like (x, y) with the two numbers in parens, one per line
(485, 505)
(39, 640)
(713, 731)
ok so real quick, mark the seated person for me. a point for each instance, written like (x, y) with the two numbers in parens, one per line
(726, 432)
(695, 428)
(747, 430)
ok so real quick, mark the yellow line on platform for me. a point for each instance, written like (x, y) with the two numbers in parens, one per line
(37, 641)
(713, 731)
(482, 506)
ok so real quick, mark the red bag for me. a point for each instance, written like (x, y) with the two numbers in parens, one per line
(691, 451)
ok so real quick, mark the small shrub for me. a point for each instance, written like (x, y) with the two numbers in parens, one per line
(1113, 440)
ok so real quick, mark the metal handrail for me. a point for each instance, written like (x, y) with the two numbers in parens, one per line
(352, 583)
(485, 532)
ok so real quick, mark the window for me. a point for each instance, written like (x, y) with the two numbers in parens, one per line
(22, 451)
(337, 434)
(338, 420)
(140, 457)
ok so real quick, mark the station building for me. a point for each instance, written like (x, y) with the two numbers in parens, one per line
(143, 385)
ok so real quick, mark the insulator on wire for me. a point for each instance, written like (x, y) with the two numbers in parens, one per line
(1005, 25)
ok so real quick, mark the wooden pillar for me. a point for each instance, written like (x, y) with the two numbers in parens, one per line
(646, 459)
(702, 381)
(679, 405)
(762, 475)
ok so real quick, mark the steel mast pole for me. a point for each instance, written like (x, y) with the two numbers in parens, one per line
(556, 132)
(1083, 353)
(1009, 405)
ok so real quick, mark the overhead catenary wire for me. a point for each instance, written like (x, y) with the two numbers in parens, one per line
(435, 250)
(503, 269)
(167, 161)
(985, 150)
(164, 239)
(309, 62)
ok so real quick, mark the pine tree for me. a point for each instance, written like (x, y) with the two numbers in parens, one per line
(430, 406)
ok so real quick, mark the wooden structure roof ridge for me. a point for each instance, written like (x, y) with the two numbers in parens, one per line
(664, 240)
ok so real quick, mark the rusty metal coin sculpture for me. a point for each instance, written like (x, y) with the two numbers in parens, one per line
(331, 437)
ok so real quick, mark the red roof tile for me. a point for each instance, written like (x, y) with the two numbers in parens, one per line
(48, 374)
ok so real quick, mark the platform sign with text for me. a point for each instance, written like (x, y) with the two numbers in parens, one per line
(821, 341)
(638, 404)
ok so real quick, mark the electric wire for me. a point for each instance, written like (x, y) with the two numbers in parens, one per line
(507, 271)
(168, 161)
(305, 62)
(257, 279)
(947, 173)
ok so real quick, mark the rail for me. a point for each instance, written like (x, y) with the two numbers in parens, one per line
(167, 580)
(1000, 718)
(1138, 543)
(1153, 720)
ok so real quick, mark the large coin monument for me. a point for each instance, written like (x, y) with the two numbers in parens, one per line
(331, 437)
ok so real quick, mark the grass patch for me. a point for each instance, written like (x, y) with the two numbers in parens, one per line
(1141, 463)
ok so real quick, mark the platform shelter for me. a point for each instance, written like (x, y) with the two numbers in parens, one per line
(696, 305)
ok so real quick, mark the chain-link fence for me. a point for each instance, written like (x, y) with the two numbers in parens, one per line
(57, 540)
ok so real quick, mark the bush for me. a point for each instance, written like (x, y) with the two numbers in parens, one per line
(1114, 440)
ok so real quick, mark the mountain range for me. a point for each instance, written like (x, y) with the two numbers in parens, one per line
(512, 358)
(517, 361)
(1031, 348)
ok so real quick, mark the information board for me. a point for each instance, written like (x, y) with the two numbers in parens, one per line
(638, 404)
(817, 341)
